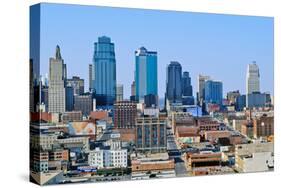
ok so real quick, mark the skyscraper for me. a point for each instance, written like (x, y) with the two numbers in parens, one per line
(104, 72)
(57, 76)
(119, 92)
(213, 92)
(145, 73)
(201, 88)
(90, 77)
(186, 84)
(174, 82)
(252, 78)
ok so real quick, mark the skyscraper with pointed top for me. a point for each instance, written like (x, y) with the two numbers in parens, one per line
(57, 81)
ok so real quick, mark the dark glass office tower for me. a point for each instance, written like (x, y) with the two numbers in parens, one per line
(174, 82)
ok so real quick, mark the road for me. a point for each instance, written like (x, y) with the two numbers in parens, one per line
(175, 153)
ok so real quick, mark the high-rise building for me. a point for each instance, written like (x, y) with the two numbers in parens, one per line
(90, 77)
(57, 77)
(253, 78)
(213, 92)
(104, 72)
(125, 113)
(69, 97)
(77, 84)
(133, 91)
(83, 103)
(145, 73)
(151, 134)
(186, 84)
(263, 126)
(174, 82)
(119, 92)
(201, 88)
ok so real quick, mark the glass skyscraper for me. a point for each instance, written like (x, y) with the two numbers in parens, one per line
(104, 72)
(145, 73)
(213, 92)
(174, 82)
(186, 84)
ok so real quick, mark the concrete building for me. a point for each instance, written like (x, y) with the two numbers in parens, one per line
(119, 92)
(263, 126)
(125, 113)
(113, 157)
(255, 157)
(57, 77)
(71, 116)
(77, 84)
(151, 134)
(252, 78)
(83, 103)
(201, 88)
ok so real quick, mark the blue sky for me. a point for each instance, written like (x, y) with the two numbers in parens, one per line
(220, 46)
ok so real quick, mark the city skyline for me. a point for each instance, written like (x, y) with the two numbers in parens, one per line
(247, 44)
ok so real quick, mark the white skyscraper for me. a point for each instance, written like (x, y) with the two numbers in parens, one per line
(253, 78)
(57, 76)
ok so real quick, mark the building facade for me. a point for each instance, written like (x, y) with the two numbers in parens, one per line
(57, 78)
(119, 92)
(77, 84)
(104, 72)
(145, 73)
(186, 84)
(174, 82)
(83, 103)
(125, 113)
(252, 78)
(151, 134)
(213, 92)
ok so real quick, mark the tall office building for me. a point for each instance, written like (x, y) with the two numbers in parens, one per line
(174, 82)
(145, 73)
(201, 88)
(213, 92)
(125, 113)
(69, 98)
(77, 84)
(104, 72)
(186, 84)
(90, 77)
(253, 78)
(57, 76)
(119, 92)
